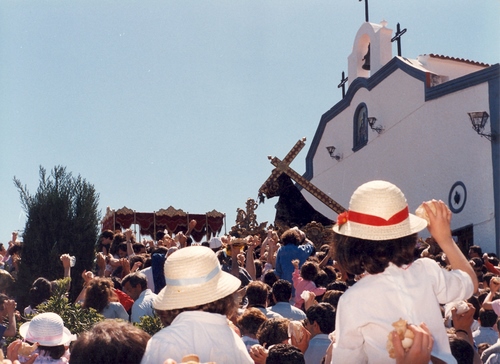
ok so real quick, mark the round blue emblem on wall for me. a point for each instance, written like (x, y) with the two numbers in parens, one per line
(457, 197)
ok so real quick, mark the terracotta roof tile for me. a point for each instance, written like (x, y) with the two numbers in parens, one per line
(459, 59)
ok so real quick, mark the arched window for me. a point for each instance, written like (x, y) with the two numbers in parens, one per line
(360, 127)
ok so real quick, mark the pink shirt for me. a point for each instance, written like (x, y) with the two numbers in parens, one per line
(302, 285)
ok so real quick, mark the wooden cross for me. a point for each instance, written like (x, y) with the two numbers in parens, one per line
(366, 10)
(342, 83)
(284, 167)
(397, 37)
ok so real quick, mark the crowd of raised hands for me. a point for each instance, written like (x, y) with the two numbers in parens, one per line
(256, 256)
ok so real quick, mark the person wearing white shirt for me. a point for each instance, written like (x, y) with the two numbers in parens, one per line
(282, 293)
(135, 285)
(320, 323)
(194, 307)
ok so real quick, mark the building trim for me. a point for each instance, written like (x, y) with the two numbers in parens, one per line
(494, 103)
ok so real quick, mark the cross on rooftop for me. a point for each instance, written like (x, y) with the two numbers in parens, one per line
(366, 10)
(397, 37)
(342, 83)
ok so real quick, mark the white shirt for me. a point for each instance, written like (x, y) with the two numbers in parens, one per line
(205, 334)
(288, 311)
(143, 306)
(367, 310)
(485, 335)
(115, 310)
(148, 272)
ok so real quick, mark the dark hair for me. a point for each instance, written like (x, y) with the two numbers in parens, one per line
(98, 294)
(122, 247)
(270, 277)
(137, 247)
(134, 279)
(291, 236)
(137, 258)
(477, 306)
(488, 318)
(476, 249)
(478, 262)
(321, 279)
(282, 290)
(324, 314)
(117, 240)
(461, 350)
(107, 234)
(309, 271)
(250, 320)
(331, 272)
(487, 278)
(332, 297)
(226, 306)
(284, 354)
(357, 255)
(39, 292)
(337, 286)
(273, 331)
(160, 234)
(257, 292)
(55, 352)
(110, 342)
(15, 248)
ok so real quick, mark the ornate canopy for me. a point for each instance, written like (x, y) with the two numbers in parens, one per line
(171, 219)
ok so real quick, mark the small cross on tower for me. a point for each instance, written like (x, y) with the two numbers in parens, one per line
(397, 37)
(366, 10)
(342, 83)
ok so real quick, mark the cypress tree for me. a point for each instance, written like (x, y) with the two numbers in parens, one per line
(62, 218)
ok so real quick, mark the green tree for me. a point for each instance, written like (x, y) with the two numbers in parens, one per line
(62, 217)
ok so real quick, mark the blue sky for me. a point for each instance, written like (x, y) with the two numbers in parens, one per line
(179, 103)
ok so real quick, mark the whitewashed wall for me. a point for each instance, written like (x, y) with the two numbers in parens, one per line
(426, 147)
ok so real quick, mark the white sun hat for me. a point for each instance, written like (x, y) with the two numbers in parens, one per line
(194, 277)
(378, 211)
(46, 329)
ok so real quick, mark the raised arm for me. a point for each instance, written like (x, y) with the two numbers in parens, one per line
(488, 301)
(462, 324)
(273, 247)
(128, 237)
(439, 227)
(249, 261)
(10, 307)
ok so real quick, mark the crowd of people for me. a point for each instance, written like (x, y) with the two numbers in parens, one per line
(377, 294)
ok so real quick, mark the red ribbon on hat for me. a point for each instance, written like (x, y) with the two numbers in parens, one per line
(372, 220)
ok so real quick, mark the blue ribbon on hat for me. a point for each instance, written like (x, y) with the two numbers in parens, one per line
(195, 280)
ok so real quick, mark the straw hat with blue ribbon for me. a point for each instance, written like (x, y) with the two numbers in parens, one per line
(194, 277)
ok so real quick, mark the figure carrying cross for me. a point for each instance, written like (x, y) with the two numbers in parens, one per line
(283, 167)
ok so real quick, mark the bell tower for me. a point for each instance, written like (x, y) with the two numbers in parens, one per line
(371, 50)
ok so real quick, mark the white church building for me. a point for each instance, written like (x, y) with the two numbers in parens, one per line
(410, 122)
